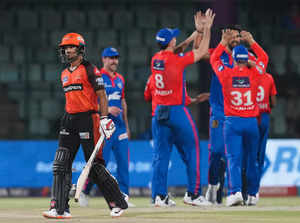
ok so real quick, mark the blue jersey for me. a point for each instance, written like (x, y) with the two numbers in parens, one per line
(114, 87)
(216, 100)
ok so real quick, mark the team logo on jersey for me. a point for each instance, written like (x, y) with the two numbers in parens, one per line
(181, 54)
(119, 85)
(220, 68)
(240, 82)
(65, 79)
(158, 64)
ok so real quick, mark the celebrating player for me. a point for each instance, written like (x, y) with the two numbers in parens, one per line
(266, 98)
(172, 120)
(217, 160)
(117, 107)
(239, 86)
(149, 96)
(83, 85)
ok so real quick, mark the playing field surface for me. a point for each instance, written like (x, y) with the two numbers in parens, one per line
(29, 210)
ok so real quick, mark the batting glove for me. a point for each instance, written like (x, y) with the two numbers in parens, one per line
(107, 126)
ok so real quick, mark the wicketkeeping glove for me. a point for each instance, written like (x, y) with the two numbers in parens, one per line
(107, 126)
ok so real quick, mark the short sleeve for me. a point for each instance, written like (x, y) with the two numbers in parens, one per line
(186, 59)
(94, 76)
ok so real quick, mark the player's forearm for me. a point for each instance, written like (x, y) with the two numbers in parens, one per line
(273, 101)
(215, 56)
(183, 45)
(203, 47)
(261, 54)
(103, 104)
(197, 40)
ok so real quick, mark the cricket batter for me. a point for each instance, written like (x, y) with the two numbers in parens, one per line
(83, 85)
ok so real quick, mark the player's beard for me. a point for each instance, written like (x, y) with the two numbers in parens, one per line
(72, 59)
(113, 67)
(233, 44)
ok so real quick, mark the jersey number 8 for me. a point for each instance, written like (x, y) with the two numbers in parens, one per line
(159, 82)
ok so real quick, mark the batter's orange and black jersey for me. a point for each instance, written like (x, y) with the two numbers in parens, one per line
(80, 87)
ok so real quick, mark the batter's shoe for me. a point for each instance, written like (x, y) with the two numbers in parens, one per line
(116, 212)
(52, 213)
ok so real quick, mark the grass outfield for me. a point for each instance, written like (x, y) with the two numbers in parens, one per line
(28, 210)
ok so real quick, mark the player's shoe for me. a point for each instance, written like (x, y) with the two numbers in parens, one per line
(126, 198)
(164, 202)
(201, 201)
(187, 199)
(252, 200)
(211, 193)
(52, 213)
(116, 212)
(257, 196)
(83, 199)
(234, 199)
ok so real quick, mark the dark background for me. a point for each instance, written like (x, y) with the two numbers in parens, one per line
(31, 98)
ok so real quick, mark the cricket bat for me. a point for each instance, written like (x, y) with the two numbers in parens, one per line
(86, 170)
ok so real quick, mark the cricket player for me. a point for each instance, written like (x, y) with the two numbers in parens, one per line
(172, 120)
(117, 108)
(266, 99)
(217, 160)
(149, 96)
(216, 146)
(83, 85)
(239, 86)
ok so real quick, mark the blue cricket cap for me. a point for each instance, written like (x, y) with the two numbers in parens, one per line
(240, 53)
(164, 36)
(110, 52)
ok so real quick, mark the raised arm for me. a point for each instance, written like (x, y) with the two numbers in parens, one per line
(199, 24)
(215, 59)
(183, 45)
(204, 44)
(262, 57)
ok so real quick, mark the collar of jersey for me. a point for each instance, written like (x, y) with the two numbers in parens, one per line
(103, 71)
